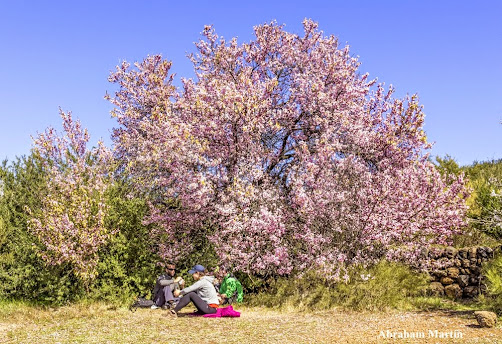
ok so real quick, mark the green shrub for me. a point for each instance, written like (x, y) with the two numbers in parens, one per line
(23, 275)
(484, 180)
(384, 286)
(485, 203)
(493, 273)
(127, 266)
(471, 237)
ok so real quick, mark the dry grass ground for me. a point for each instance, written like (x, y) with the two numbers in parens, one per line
(105, 324)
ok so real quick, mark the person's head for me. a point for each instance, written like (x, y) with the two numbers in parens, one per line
(197, 272)
(171, 269)
(220, 273)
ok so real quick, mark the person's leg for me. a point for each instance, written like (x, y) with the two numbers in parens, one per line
(185, 300)
(175, 286)
(200, 304)
(159, 298)
(168, 294)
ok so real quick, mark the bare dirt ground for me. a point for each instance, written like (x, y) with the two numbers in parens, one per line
(102, 324)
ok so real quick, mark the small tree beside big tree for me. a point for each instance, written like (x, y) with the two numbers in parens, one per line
(70, 220)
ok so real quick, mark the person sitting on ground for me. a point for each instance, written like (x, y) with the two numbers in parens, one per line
(230, 289)
(202, 293)
(165, 285)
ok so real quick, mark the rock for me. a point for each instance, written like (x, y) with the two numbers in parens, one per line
(486, 319)
(441, 253)
(489, 252)
(453, 291)
(450, 252)
(463, 280)
(446, 262)
(471, 291)
(482, 252)
(463, 253)
(446, 280)
(435, 289)
(452, 272)
(466, 263)
(476, 270)
(474, 280)
(436, 253)
(472, 252)
(440, 273)
(457, 262)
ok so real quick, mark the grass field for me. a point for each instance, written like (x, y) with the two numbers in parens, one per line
(99, 323)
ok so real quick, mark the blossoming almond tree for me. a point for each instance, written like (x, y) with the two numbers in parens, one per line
(295, 159)
(70, 225)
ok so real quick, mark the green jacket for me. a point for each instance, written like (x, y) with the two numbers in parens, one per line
(232, 288)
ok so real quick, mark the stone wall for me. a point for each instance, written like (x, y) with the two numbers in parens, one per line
(461, 275)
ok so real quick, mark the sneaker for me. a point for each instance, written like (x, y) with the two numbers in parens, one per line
(168, 305)
(173, 313)
(154, 307)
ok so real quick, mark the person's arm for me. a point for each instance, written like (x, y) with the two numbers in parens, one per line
(179, 283)
(164, 281)
(193, 287)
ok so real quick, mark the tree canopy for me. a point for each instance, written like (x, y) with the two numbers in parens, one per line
(282, 155)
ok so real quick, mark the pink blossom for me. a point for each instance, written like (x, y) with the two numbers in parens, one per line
(70, 224)
(291, 157)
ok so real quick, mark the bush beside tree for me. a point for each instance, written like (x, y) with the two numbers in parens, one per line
(484, 180)
(23, 275)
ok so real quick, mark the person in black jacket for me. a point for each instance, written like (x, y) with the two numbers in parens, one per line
(164, 287)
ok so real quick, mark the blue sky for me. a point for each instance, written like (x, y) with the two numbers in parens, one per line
(60, 53)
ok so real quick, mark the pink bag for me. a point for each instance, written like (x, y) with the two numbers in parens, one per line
(224, 312)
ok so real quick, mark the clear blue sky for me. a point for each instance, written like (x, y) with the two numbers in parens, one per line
(60, 53)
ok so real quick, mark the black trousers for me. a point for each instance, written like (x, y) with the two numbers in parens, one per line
(200, 304)
(164, 295)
